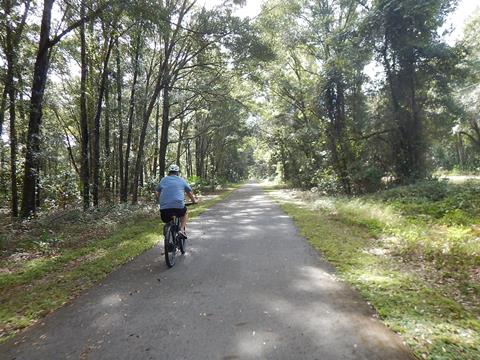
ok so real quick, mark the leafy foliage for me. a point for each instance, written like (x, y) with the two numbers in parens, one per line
(335, 128)
(401, 249)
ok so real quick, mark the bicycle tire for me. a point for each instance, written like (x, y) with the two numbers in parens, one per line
(170, 248)
(182, 244)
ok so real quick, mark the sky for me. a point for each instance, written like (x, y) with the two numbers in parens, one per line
(459, 17)
(251, 9)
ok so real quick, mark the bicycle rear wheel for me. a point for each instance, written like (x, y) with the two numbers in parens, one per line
(170, 248)
(182, 244)
(180, 239)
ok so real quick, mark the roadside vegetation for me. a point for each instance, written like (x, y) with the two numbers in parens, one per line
(412, 251)
(48, 261)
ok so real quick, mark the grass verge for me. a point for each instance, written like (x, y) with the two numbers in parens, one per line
(401, 264)
(36, 287)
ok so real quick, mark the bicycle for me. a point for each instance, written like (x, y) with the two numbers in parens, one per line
(172, 240)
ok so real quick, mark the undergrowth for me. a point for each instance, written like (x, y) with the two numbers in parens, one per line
(413, 252)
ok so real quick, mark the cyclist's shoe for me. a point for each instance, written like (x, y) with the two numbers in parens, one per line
(182, 234)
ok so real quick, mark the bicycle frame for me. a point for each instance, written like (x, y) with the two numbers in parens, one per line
(171, 238)
(175, 223)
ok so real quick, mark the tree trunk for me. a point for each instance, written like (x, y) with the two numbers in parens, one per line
(335, 106)
(85, 163)
(108, 162)
(189, 159)
(10, 88)
(3, 106)
(199, 157)
(13, 142)
(96, 124)
(124, 192)
(3, 185)
(38, 188)
(155, 152)
(120, 122)
(179, 144)
(141, 143)
(162, 153)
(460, 151)
(33, 137)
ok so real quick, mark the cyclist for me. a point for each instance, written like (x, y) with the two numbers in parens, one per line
(171, 190)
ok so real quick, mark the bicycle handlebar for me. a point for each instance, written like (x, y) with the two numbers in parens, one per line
(190, 204)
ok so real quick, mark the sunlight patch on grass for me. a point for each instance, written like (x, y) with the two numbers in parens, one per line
(377, 250)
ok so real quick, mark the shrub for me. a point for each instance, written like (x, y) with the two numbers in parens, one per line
(449, 204)
(60, 190)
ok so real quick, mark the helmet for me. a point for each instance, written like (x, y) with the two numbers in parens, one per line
(173, 168)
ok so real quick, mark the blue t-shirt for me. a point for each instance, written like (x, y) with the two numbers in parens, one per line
(172, 190)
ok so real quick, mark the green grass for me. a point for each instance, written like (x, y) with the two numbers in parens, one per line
(412, 266)
(39, 286)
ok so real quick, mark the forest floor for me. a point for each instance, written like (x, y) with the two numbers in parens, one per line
(49, 260)
(414, 254)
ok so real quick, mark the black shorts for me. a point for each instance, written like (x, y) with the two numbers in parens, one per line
(167, 214)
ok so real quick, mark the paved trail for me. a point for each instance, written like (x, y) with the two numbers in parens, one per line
(249, 287)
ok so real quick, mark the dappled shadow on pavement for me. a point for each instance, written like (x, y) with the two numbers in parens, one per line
(249, 287)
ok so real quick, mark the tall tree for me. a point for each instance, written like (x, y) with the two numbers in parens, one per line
(13, 37)
(96, 138)
(42, 63)
(407, 33)
(85, 162)
(131, 113)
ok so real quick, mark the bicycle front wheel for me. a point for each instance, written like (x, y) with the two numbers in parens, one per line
(170, 248)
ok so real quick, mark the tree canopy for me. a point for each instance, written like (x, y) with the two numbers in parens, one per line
(98, 98)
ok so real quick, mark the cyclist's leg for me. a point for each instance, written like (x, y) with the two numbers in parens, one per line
(182, 214)
(183, 223)
(166, 215)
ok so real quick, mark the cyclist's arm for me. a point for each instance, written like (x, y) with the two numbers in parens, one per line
(192, 197)
(189, 192)
(158, 190)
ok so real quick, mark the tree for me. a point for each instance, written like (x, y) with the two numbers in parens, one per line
(13, 31)
(469, 92)
(406, 37)
(40, 72)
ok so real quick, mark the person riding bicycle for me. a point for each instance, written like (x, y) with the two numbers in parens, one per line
(171, 190)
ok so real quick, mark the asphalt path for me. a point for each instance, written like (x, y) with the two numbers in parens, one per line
(249, 287)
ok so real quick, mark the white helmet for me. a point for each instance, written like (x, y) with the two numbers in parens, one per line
(173, 168)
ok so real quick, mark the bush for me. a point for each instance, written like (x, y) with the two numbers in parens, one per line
(326, 181)
(449, 204)
(60, 190)
(200, 185)
(367, 179)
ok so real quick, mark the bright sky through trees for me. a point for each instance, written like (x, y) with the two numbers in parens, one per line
(251, 8)
(456, 20)
(459, 17)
